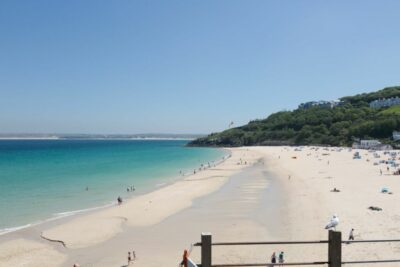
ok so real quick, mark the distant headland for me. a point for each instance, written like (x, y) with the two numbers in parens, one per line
(374, 115)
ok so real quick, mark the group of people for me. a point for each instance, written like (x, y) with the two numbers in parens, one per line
(242, 162)
(281, 258)
(130, 188)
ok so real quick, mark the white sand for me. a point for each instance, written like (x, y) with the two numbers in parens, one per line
(147, 209)
(311, 203)
(26, 253)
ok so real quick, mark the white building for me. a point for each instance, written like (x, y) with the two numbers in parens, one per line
(321, 103)
(379, 103)
(371, 144)
(396, 136)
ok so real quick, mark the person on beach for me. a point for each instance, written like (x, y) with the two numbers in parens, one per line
(281, 258)
(380, 171)
(129, 258)
(273, 257)
(351, 234)
(134, 255)
(119, 199)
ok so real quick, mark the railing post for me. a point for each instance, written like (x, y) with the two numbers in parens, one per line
(335, 249)
(206, 250)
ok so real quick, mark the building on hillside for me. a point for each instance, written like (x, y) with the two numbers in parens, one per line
(371, 144)
(385, 102)
(396, 136)
(321, 103)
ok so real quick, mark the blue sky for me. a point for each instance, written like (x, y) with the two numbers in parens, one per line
(185, 66)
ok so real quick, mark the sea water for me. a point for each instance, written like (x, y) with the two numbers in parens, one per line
(46, 179)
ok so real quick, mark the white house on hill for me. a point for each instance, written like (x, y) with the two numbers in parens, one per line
(380, 103)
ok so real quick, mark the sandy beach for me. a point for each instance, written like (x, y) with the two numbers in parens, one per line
(258, 194)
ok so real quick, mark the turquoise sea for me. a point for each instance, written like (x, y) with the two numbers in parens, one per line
(46, 179)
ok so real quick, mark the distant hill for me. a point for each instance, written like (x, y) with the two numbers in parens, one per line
(366, 98)
(340, 125)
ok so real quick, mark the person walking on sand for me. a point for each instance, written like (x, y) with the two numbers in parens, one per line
(281, 258)
(380, 171)
(119, 199)
(134, 255)
(129, 258)
(351, 234)
(273, 257)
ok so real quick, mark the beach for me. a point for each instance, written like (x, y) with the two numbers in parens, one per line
(257, 194)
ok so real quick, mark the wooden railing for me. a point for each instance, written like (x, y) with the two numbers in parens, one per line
(334, 251)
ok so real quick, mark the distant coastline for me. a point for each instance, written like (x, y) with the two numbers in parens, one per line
(100, 136)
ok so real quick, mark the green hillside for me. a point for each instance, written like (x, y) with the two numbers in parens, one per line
(392, 110)
(338, 126)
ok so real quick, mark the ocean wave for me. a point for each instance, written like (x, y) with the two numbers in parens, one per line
(73, 212)
(13, 229)
(55, 216)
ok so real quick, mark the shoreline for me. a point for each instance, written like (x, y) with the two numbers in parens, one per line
(56, 216)
(143, 210)
(82, 230)
(71, 213)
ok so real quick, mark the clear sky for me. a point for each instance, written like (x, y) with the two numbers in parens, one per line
(185, 66)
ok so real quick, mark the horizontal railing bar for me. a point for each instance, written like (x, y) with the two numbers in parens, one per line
(264, 243)
(270, 264)
(297, 242)
(372, 261)
(372, 241)
(300, 263)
